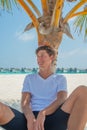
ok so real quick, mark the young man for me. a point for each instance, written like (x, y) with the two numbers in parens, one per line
(44, 101)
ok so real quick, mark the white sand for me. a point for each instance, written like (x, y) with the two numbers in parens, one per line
(11, 85)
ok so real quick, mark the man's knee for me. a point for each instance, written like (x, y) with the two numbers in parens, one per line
(82, 92)
(82, 89)
(6, 114)
(1, 110)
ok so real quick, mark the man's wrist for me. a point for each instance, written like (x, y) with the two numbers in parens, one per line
(43, 112)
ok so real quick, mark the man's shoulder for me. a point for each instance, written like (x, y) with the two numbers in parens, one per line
(31, 75)
(59, 76)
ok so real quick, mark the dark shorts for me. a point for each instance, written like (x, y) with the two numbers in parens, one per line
(56, 121)
(17, 123)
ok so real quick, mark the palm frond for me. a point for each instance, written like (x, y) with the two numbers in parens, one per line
(7, 4)
(81, 25)
(34, 7)
(85, 28)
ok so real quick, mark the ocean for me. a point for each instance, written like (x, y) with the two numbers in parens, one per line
(61, 71)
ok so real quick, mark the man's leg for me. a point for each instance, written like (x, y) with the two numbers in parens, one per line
(11, 119)
(76, 105)
(6, 114)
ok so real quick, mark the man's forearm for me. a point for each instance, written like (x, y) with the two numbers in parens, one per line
(27, 112)
(53, 107)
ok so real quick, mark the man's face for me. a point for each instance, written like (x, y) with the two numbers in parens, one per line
(43, 59)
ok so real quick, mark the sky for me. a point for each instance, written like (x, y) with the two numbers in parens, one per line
(17, 49)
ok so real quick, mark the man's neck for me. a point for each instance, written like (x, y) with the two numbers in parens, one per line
(45, 73)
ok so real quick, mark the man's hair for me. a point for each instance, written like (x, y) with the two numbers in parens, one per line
(48, 49)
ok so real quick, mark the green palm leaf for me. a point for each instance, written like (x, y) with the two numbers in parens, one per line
(81, 24)
(7, 4)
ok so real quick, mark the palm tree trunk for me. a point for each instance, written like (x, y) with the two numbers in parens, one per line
(54, 40)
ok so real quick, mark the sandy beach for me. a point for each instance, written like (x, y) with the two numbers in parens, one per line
(11, 85)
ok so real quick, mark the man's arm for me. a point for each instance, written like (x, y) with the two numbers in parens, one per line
(61, 97)
(25, 101)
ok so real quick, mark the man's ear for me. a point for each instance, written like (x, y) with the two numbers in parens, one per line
(52, 57)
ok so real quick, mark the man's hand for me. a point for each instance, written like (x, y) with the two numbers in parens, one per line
(31, 123)
(39, 123)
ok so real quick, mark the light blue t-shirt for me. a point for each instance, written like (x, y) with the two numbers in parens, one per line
(43, 91)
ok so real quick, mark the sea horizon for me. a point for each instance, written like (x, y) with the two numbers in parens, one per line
(35, 70)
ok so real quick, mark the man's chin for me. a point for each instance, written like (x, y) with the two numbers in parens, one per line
(41, 67)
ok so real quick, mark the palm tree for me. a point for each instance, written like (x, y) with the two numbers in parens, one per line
(51, 25)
